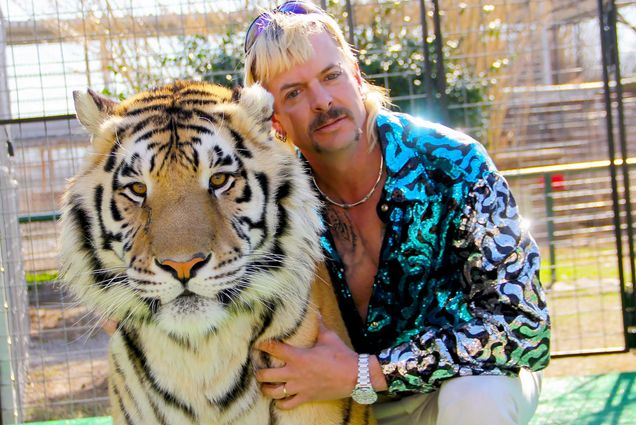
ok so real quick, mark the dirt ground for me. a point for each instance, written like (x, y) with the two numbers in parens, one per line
(592, 365)
(68, 368)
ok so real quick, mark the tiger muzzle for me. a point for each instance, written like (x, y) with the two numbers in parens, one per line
(183, 270)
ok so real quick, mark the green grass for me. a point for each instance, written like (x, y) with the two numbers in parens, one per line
(572, 272)
(608, 399)
(578, 262)
(102, 420)
(40, 277)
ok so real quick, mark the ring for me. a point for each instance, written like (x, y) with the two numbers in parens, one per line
(285, 394)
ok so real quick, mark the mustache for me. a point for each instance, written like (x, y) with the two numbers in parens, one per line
(332, 114)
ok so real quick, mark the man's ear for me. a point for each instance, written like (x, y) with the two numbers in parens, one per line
(281, 134)
(278, 128)
(357, 74)
(93, 109)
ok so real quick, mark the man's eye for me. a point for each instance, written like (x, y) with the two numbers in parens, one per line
(333, 75)
(292, 94)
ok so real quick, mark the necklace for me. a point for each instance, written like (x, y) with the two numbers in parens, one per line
(361, 201)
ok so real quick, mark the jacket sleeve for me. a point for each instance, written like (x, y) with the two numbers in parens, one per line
(509, 328)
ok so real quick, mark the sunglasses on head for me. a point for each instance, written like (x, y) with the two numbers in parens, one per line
(262, 21)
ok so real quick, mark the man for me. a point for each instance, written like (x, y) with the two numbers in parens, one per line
(436, 277)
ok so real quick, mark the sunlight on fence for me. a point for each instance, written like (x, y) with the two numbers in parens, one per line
(521, 76)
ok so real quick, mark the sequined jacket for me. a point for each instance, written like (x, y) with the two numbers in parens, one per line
(457, 290)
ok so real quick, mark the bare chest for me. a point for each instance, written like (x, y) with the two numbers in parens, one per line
(357, 235)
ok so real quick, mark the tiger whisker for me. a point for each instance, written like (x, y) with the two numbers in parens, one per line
(100, 316)
(267, 283)
(92, 272)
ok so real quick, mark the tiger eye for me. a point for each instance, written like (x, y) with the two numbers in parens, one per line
(138, 189)
(218, 180)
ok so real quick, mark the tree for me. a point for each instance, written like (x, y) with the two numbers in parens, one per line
(396, 61)
(393, 59)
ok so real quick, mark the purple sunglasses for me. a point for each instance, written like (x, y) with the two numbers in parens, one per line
(293, 7)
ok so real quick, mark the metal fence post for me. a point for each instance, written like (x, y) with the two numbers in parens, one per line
(428, 84)
(350, 23)
(614, 62)
(609, 50)
(14, 322)
(441, 69)
(549, 219)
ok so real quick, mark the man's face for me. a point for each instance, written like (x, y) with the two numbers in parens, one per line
(318, 103)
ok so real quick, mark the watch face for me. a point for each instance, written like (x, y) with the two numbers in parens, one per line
(364, 395)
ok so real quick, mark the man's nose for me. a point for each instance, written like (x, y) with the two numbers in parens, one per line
(321, 97)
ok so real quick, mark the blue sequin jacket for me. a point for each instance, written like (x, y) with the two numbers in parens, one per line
(457, 290)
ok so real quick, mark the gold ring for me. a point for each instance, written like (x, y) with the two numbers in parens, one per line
(285, 394)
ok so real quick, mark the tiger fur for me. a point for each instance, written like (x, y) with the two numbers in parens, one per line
(198, 233)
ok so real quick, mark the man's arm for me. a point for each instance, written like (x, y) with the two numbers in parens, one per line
(326, 371)
(510, 324)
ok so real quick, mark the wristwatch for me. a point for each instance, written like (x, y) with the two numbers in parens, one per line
(363, 392)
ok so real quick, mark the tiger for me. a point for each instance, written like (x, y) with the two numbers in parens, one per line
(198, 232)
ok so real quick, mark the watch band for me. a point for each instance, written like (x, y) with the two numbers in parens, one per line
(363, 392)
(364, 378)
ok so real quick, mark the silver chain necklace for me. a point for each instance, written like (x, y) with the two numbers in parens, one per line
(361, 201)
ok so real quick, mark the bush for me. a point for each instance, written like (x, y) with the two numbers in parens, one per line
(394, 59)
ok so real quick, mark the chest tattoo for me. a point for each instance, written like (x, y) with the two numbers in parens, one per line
(342, 229)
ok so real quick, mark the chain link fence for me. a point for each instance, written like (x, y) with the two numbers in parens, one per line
(524, 77)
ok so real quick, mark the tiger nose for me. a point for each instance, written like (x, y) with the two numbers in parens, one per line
(183, 270)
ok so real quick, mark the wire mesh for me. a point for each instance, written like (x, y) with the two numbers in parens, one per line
(524, 77)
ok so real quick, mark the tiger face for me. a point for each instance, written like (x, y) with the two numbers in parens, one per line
(186, 209)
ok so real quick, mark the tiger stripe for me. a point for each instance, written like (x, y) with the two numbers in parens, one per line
(139, 362)
(117, 371)
(246, 377)
(120, 402)
(145, 203)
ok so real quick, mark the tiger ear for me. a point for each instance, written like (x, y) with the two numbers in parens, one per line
(258, 103)
(93, 109)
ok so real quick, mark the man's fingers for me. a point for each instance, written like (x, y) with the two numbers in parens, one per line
(290, 402)
(273, 391)
(274, 375)
(277, 349)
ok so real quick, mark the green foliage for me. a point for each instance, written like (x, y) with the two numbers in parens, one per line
(393, 59)
(219, 62)
(216, 59)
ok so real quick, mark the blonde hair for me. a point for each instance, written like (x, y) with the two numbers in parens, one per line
(286, 42)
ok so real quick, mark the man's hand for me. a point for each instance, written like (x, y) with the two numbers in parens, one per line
(327, 371)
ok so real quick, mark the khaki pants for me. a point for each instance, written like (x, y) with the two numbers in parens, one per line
(469, 400)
